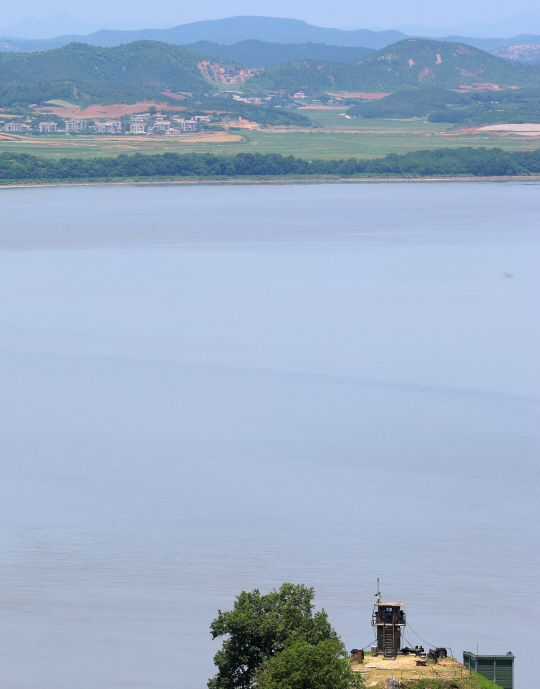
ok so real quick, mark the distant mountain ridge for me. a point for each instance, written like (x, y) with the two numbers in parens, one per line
(235, 30)
(529, 54)
(408, 64)
(523, 22)
(255, 53)
(43, 28)
(227, 32)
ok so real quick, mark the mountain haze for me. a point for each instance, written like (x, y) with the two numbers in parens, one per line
(234, 30)
(227, 32)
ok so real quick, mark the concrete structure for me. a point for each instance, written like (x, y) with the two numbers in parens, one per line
(15, 127)
(498, 668)
(138, 128)
(113, 127)
(162, 125)
(47, 127)
(75, 125)
(190, 126)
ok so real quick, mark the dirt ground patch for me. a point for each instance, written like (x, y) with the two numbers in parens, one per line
(241, 123)
(376, 669)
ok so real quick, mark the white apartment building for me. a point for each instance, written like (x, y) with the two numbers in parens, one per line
(183, 126)
(47, 127)
(75, 125)
(113, 127)
(190, 126)
(138, 128)
(162, 125)
(15, 127)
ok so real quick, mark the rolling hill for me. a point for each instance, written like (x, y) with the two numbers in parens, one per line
(255, 53)
(146, 64)
(412, 63)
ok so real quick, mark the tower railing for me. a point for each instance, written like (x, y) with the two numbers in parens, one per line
(384, 617)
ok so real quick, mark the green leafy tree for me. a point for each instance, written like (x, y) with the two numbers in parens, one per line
(259, 626)
(303, 666)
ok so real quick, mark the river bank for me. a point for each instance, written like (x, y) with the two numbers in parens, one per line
(263, 180)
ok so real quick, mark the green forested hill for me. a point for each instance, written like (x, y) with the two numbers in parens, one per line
(147, 64)
(255, 53)
(410, 103)
(22, 95)
(412, 63)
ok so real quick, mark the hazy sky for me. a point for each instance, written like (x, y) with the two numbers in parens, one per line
(340, 13)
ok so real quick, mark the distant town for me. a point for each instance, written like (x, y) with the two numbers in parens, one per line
(144, 123)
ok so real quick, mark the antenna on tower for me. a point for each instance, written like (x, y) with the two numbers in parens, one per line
(378, 594)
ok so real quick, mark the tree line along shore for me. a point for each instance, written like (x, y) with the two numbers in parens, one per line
(443, 162)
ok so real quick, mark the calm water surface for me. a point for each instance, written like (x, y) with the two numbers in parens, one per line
(218, 388)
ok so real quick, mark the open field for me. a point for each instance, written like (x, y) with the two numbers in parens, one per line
(65, 109)
(337, 137)
(82, 146)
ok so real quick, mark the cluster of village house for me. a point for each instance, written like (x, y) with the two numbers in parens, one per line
(139, 124)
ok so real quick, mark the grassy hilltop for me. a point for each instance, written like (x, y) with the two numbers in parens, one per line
(408, 64)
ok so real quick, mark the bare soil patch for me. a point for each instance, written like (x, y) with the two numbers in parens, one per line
(376, 669)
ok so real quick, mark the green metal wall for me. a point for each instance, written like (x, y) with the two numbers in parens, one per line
(504, 673)
(499, 669)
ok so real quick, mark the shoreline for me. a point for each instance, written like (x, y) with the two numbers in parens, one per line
(262, 180)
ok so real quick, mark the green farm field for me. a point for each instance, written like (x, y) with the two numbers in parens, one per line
(336, 137)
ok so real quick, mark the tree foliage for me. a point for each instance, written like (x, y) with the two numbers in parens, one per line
(442, 162)
(255, 53)
(409, 103)
(260, 626)
(22, 94)
(148, 64)
(305, 666)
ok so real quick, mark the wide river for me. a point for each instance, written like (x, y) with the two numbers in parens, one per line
(215, 388)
